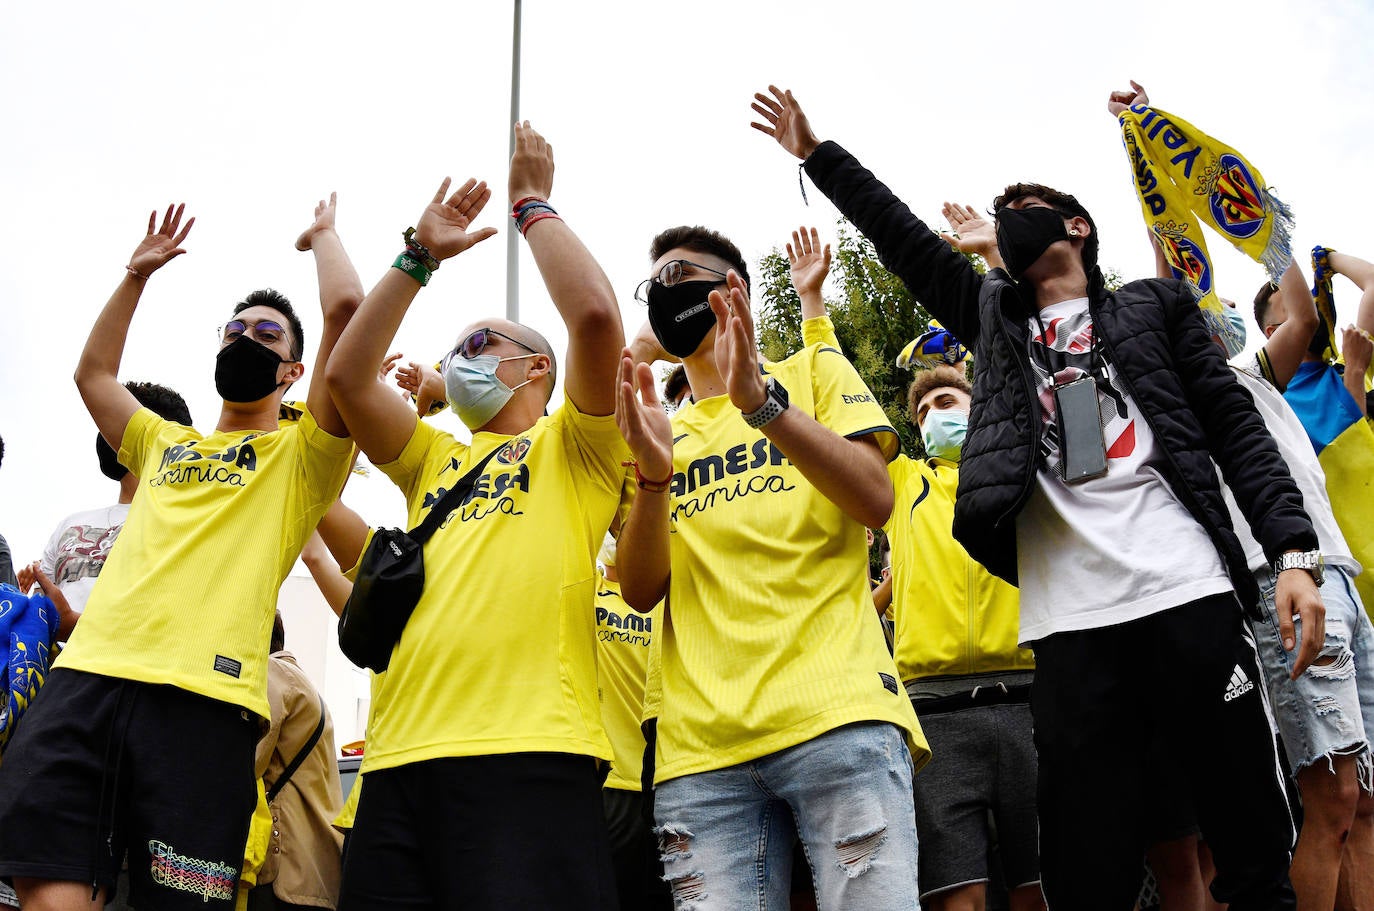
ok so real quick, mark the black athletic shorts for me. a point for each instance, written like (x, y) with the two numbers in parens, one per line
(101, 765)
(518, 830)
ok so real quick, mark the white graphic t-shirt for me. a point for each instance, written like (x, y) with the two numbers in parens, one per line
(77, 550)
(1111, 549)
(1296, 449)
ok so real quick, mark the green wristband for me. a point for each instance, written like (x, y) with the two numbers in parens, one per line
(412, 267)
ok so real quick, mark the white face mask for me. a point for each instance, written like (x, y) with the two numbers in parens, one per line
(474, 391)
(942, 433)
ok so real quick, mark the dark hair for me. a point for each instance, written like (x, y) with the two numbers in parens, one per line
(277, 301)
(2, 449)
(278, 641)
(674, 384)
(1262, 299)
(1064, 204)
(165, 403)
(701, 240)
(935, 378)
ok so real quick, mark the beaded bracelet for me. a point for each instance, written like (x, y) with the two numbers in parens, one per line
(646, 484)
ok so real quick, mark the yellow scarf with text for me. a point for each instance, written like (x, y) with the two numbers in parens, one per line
(1184, 179)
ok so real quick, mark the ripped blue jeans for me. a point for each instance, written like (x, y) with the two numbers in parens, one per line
(726, 836)
(1329, 710)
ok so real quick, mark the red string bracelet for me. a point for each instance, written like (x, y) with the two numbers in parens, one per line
(645, 483)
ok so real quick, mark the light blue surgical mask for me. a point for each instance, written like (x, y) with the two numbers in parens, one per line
(1235, 339)
(943, 431)
(474, 391)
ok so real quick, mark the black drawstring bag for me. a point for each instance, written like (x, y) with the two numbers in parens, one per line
(391, 577)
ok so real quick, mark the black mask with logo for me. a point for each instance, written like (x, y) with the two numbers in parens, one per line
(109, 460)
(246, 371)
(680, 315)
(1023, 236)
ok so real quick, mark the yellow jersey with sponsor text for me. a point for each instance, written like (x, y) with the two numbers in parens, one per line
(188, 592)
(770, 638)
(500, 653)
(624, 638)
(952, 615)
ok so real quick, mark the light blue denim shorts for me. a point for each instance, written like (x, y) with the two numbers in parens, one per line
(1329, 710)
(726, 836)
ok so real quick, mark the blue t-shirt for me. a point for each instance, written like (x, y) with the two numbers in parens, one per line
(1318, 395)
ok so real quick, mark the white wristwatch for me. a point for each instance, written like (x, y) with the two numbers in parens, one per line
(774, 403)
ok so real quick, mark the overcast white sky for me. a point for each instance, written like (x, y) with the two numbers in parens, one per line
(252, 111)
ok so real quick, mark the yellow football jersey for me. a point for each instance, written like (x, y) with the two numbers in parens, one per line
(624, 638)
(189, 590)
(771, 637)
(952, 615)
(499, 655)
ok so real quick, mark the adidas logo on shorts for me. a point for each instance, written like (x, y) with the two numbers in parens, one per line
(1239, 685)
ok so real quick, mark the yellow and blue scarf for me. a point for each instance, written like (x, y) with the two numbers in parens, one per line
(1185, 178)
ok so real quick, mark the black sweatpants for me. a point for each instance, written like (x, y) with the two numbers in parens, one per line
(1182, 686)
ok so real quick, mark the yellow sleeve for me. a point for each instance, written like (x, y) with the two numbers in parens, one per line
(141, 438)
(819, 330)
(596, 445)
(844, 402)
(326, 460)
(406, 469)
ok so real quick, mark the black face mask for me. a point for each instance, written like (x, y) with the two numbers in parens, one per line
(680, 315)
(109, 460)
(1023, 235)
(246, 371)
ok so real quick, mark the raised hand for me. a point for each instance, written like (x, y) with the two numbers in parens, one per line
(1357, 347)
(388, 365)
(641, 418)
(161, 245)
(324, 221)
(443, 227)
(972, 233)
(809, 262)
(785, 122)
(736, 351)
(1121, 100)
(531, 167)
(26, 576)
(423, 383)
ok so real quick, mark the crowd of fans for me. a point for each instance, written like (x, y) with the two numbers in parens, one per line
(1119, 617)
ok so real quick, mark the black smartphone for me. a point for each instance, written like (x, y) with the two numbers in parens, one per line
(1082, 446)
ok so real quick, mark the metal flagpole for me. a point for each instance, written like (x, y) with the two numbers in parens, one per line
(512, 244)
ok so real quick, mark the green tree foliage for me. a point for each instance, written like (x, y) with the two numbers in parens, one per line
(874, 316)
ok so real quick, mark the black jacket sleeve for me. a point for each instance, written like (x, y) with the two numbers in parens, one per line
(937, 276)
(1237, 437)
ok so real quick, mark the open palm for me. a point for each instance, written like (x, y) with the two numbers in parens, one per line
(444, 226)
(161, 244)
